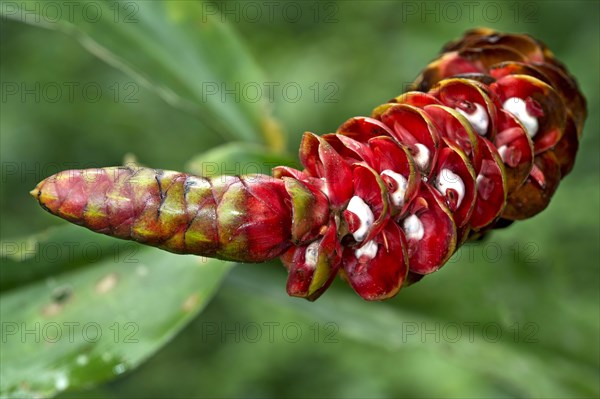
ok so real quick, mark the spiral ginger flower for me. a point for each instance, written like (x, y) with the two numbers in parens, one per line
(484, 138)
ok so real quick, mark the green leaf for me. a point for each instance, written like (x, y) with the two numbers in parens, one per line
(57, 250)
(436, 350)
(91, 324)
(185, 53)
(237, 159)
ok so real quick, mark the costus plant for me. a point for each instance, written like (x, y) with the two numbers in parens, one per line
(482, 139)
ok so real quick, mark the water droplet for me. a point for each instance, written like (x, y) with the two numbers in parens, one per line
(141, 270)
(52, 309)
(107, 283)
(82, 360)
(191, 302)
(119, 368)
(62, 382)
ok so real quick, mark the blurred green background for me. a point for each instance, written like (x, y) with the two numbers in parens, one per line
(514, 316)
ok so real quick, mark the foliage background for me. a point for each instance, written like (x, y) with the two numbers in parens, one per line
(543, 277)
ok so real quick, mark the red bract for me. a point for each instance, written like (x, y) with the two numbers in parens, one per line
(473, 101)
(430, 232)
(484, 139)
(414, 128)
(379, 276)
(454, 178)
(515, 148)
(312, 267)
(536, 105)
(491, 187)
(455, 128)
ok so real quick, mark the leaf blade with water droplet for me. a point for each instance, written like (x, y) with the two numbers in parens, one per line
(92, 323)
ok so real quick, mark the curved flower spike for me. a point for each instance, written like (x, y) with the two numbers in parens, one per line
(384, 200)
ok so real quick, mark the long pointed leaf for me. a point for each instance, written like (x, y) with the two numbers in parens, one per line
(181, 49)
(93, 323)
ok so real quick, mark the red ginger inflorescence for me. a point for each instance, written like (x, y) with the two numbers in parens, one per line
(483, 139)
